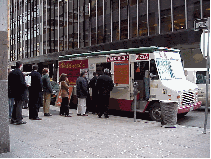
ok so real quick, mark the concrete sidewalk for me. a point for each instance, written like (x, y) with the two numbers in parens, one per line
(93, 137)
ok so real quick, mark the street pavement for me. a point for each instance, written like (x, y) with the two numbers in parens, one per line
(93, 137)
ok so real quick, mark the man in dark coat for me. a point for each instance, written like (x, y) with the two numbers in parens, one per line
(35, 94)
(92, 84)
(104, 86)
(17, 87)
(82, 93)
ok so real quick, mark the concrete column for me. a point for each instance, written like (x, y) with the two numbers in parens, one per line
(4, 108)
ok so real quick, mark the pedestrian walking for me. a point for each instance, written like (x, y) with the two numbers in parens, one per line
(82, 93)
(64, 88)
(10, 96)
(104, 86)
(17, 86)
(47, 91)
(35, 93)
(92, 84)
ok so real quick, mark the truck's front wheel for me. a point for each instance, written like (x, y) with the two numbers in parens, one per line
(155, 112)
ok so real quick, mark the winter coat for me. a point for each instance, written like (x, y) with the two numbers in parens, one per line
(16, 85)
(82, 87)
(92, 84)
(104, 85)
(46, 84)
(35, 90)
(36, 82)
(64, 89)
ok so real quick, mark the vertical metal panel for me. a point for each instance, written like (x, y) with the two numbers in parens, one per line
(148, 16)
(103, 21)
(41, 49)
(16, 39)
(58, 27)
(24, 26)
(84, 31)
(201, 9)
(90, 24)
(46, 43)
(128, 16)
(73, 34)
(172, 17)
(78, 23)
(68, 25)
(159, 17)
(111, 6)
(96, 23)
(63, 27)
(186, 15)
(137, 5)
(119, 20)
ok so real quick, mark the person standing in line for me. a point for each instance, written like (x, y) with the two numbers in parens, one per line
(10, 95)
(34, 94)
(104, 86)
(47, 91)
(82, 93)
(92, 84)
(64, 109)
(17, 86)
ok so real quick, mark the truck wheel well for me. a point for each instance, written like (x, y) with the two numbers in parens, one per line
(151, 103)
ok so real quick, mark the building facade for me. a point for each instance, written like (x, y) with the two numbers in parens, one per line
(41, 30)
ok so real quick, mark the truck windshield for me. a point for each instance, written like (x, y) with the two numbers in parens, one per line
(170, 69)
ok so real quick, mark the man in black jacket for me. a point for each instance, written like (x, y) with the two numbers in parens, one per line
(104, 86)
(17, 86)
(82, 93)
(35, 94)
(92, 84)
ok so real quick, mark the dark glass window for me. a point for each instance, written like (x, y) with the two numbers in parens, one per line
(107, 20)
(75, 31)
(124, 29)
(115, 17)
(179, 18)
(206, 8)
(142, 25)
(165, 21)
(70, 25)
(93, 36)
(153, 17)
(93, 8)
(123, 4)
(133, 18)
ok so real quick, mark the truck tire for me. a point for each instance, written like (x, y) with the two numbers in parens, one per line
(155, 112)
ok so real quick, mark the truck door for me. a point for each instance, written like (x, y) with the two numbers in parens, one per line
(140, 70)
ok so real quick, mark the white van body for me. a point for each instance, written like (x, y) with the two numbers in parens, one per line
(198, 77)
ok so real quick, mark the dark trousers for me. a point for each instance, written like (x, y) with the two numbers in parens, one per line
(33, 112)
(34, 100)
(17, 111)
(64, 109)
(94, 103)
(103, 105)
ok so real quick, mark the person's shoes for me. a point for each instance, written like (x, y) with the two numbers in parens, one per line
(106, 116)
(99, 116)
(25, 107)
(68, 116)
(78, 114)
(12, 121)
(84, 115)
(20, 122)
(47, 114)
(37, 118)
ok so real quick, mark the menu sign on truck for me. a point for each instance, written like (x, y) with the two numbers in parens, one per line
(72, 69)
(121, 72)
(142, 57)
(118, 58)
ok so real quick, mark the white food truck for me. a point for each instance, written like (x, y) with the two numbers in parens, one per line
(157, 70)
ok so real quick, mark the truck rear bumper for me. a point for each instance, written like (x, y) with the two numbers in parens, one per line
(187, 108)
